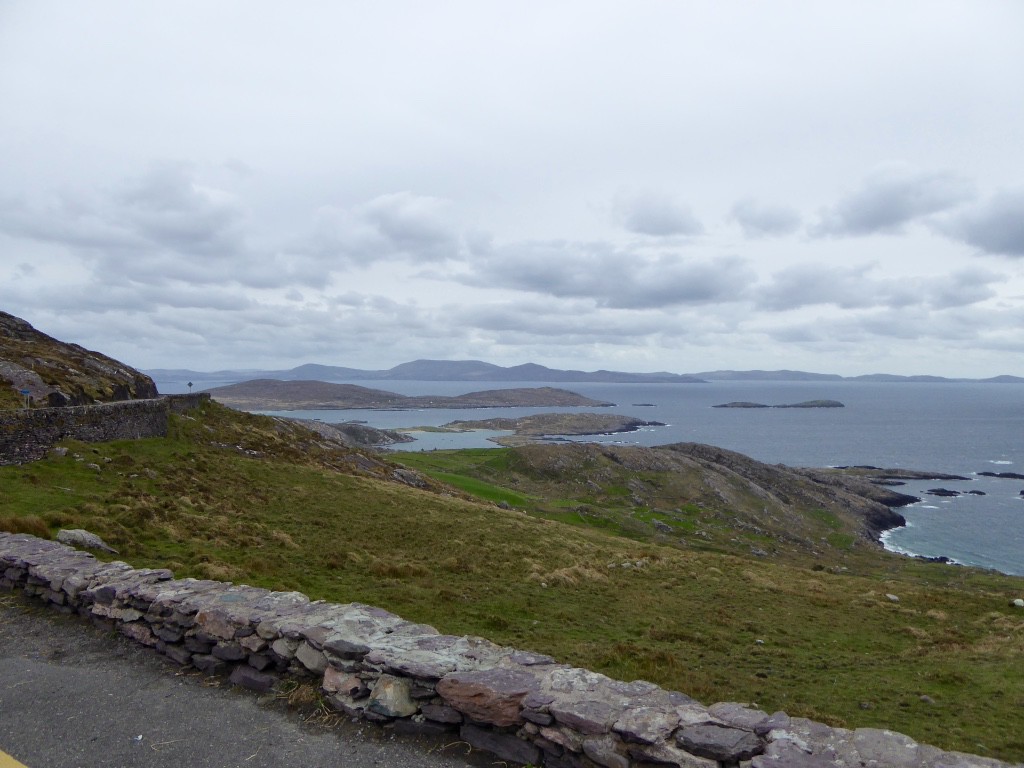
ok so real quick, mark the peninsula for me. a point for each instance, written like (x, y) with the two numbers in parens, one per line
(276, 395)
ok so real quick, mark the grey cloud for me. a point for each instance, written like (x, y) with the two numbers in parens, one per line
(164, 209)
(813, 284)
(393, 226)
(764, 219)
(854, 288)
(164, 227)
(973, 329)
(890, 199)
(996, 227)
(569, 318)
(610, 278)
(961, 289)
(167, 208)
(655, 214)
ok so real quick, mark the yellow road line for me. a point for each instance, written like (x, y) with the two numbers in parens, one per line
(6, 761)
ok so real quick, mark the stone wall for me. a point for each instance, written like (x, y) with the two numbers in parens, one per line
(371, 664)
(26, 434)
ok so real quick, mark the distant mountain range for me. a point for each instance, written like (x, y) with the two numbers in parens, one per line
(479, 371)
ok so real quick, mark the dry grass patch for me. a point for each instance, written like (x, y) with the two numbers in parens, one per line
(31, 524)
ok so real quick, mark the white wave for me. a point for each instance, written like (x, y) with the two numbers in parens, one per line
(999, 461)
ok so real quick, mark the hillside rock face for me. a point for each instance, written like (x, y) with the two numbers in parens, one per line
(724, 491)
(57, 374)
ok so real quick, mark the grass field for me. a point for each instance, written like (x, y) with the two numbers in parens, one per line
(233, 497)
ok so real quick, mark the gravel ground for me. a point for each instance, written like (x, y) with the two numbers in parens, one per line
(73, 695)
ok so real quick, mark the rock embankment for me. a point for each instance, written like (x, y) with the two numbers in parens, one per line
(374, 665)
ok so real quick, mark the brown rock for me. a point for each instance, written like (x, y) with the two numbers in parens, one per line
(491, 695)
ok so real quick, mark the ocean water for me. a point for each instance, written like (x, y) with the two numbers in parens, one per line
(953, 428)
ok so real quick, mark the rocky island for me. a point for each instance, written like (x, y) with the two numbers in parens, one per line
(530, 429)
(805, 404)
(276, 395)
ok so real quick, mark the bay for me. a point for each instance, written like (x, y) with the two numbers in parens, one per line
(957, 428)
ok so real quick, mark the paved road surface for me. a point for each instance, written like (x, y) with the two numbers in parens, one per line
(74, 696)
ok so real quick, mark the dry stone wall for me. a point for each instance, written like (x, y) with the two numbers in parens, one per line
(371, 664)
(26, 434)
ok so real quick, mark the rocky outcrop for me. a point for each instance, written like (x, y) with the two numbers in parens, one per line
(354, 433)
(374, 665)
(867, 502)
(55, 373)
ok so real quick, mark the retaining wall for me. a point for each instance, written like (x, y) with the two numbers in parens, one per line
(26, 434)
(374, 665)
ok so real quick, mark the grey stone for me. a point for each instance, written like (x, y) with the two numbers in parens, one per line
(738, 715)
(345, 649)
(79, 537)
(285, 648)
(588, 717)
(788, 755)
(168, 634)
(719, 742)
(254, 680)
(506, 746)
(197, 644)
(410, 726)
(881, 747)
(441, 714)
(606, 750)
(390, 697)
(311, 658)
(669, 754)
(647, 725)
(229, 651)
(566, 738)
(211, 665)
(177, 654)
(259, 661)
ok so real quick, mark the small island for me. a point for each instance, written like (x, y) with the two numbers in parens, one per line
(530, 429)
(805, 404)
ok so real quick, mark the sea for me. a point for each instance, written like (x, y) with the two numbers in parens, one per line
(956, 428)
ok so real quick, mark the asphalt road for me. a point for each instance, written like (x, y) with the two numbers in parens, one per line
(74, 696)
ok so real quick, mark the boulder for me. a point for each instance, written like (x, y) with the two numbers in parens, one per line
(79, 537)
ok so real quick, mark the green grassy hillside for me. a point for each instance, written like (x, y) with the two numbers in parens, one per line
(807, 629)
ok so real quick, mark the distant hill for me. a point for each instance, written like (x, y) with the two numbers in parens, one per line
(479, 371)
(274, 394)
(55, 373)
(416, 370)
(767, 376)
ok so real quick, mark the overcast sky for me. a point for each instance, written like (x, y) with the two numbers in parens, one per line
(684, 186)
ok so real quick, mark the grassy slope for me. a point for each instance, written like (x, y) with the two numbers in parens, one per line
(834, 647)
